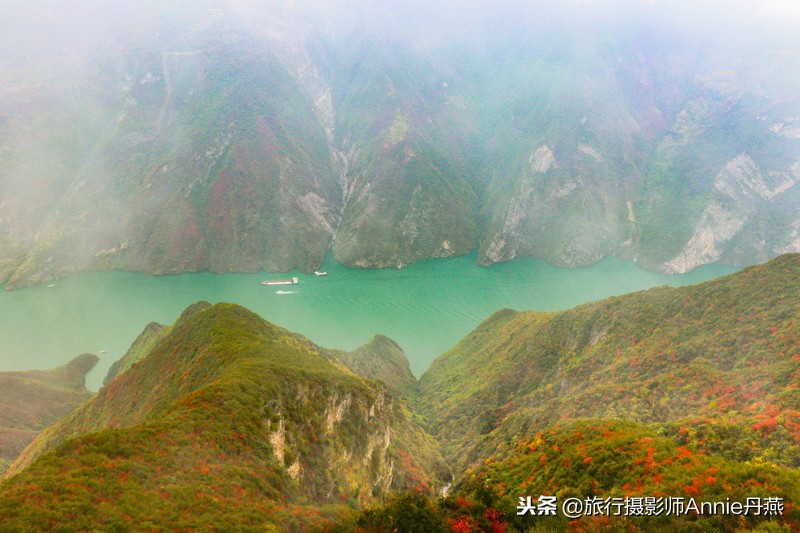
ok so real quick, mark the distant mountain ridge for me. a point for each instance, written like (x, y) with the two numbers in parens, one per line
(230, 139)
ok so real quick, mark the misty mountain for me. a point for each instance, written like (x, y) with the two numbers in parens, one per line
(231, 136)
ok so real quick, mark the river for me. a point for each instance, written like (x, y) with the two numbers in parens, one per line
(426, 307)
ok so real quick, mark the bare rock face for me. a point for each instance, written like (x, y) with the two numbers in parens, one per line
(741, 197)
(541, 160)
(557, 207)
(716, 227)
(238, 140)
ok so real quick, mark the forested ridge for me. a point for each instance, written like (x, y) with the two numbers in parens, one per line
(228, 421)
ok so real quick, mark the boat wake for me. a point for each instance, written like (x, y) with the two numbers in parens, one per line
(285, 292)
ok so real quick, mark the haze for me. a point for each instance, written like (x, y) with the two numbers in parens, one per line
(98, 97)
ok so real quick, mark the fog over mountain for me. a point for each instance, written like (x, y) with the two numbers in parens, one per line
(244, 135)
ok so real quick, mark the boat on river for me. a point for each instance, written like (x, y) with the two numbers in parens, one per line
(318, 273)
(293, 281)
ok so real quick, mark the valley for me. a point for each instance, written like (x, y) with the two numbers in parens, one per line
(342, 266)
(688, 391)
(426, 307)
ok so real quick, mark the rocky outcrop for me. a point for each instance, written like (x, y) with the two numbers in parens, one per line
(741, 198)
(245, 143)
(285, 407)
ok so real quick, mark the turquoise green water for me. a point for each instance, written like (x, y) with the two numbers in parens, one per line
(426, 307)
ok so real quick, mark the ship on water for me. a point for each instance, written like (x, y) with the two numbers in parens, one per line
(293, 281)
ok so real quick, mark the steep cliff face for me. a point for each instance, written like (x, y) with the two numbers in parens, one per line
(724, 177)
(209, 157)
(235, 139)
(559, 183)
(737, 222)
(552, 211)
(228, 399)
(408, 192)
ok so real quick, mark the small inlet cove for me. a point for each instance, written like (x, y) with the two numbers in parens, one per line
(426, 307)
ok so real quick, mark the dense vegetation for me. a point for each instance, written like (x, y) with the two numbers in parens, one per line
(35, 399)
(720, 357)
(230, 421)
(709, 371)
(409, 191)
(146, 341)
(600, 460)
(382, 359)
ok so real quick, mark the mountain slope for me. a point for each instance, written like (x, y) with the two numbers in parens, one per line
(235, 138)
(616, 460)
(35, 399)
(207, 156)
(606, 144)
(738, 205)
(559, 184)
(146, 341)
(381, 359)
(408, 192)
(230, 416)
(721, 357)
(688, 393)
(653, 410)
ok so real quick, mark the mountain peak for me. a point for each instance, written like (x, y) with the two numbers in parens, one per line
(257, 406)
(380, 358)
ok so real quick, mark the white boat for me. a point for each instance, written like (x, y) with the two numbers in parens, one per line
(293, 281)
(318, 273)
